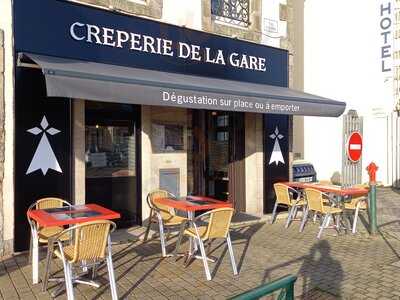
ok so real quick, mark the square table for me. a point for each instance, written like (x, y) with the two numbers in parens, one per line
(64, 216)
(191, 205)
(337, 193)
(333, 189)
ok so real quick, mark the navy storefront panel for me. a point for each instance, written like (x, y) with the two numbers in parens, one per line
(45, 29)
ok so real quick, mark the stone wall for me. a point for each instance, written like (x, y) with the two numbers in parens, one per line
(250, 33)
(2, 248)
(149, 8)
(293, 15)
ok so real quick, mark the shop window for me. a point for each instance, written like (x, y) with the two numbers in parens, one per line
(222, 121)
(222, 136)
(222, 127)
(235, 12)
(110, 151)
(167, 137)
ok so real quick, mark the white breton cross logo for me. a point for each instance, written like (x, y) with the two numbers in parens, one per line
(44, 157)
(276, 156)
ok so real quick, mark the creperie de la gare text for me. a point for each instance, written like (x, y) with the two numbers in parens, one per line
(110, 37)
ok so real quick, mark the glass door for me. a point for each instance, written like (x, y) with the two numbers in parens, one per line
(218, 138)
(111, 137)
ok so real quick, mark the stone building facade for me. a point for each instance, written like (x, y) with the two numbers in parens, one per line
(151, 161)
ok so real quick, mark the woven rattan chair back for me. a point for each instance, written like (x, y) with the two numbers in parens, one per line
(314, 200)
(45, 203)
(219, 222)
(282, 194)
(152, 198)
(90, 240)
(50, 202)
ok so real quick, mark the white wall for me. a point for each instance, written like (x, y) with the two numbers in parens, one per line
(182, 13)
(342, 61)
(272, 27)
(8, 183)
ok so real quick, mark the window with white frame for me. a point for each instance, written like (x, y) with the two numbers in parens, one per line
(236, 12)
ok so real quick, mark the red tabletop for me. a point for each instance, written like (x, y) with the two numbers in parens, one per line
(72, 215)
(194, 203)
(337, 190)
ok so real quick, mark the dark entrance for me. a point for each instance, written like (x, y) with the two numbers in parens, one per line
(112, 137)
(218, 155)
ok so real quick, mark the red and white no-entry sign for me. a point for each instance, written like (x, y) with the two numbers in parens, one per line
(354, 146)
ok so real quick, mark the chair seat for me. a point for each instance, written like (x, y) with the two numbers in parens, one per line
(173, 220)
(46, 232)
(68, 252)
(192, 232)
(301, 202)
(353, 203)
(332, 210)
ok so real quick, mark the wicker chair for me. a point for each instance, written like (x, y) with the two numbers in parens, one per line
(90, 245)
(356, 204)
(163, 215)
(284, 197)
(317, 204)
(217, 227)
(40, 235)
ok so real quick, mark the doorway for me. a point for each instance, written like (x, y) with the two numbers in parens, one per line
(112, 149)
(218, 139)
(219, 156)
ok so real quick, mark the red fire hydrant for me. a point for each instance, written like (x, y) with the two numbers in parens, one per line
(372, 168)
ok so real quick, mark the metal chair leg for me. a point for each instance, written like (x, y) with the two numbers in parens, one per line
(337, 222)
(229, 243)
(296, 209)
(30, 249)
(94, 271)
(315, 218)
(162, 237)
(289, 218)
(35, 257)
(204, 257)
(47, 268)
(305, 217)
(178, 242)
(355, 220)
(111, 275)
(146, 235)
(68, 280)
(274, 213)
(325, 224)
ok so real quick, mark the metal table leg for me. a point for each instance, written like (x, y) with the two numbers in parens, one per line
(35, 256)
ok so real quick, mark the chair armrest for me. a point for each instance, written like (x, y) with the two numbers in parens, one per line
(329, 198)
(298, 192)
(202, 216)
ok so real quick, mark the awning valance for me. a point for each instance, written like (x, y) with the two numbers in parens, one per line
(94, 81)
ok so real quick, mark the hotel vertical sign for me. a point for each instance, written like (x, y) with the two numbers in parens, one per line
(386, 34)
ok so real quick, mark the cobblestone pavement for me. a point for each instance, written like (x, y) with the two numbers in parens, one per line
(345, 266)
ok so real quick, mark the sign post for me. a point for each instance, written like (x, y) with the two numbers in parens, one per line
(352, 149)
(372, 168)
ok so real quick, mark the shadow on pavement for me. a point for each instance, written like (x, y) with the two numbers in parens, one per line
(319, 271)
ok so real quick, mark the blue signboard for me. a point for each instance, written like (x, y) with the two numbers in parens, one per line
(70, 30)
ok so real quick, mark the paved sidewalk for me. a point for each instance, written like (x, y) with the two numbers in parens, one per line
(345, 266)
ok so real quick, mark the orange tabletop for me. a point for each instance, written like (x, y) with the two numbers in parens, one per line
(337, 190)
(194, 203)
(72, 215)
